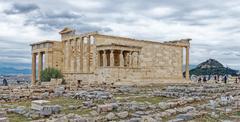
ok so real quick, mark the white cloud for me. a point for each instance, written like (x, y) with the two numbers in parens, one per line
(160, 11)
(213, 27)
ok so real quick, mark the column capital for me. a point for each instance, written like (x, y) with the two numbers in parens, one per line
(111, 50)
(104, 51)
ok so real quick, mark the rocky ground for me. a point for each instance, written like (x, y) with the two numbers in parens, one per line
(158, 103)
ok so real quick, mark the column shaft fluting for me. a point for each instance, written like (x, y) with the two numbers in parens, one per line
(187, 64)
(39, 65)
(33, 68)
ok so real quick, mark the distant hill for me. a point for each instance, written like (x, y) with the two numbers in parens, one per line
(10, 70)
(212, 67)
(191, 66)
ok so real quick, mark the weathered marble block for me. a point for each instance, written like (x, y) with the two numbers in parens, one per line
(4, 119)
(2, 114)
(39, 104)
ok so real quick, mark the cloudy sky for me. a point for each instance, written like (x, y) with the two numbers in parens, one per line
(213, 25)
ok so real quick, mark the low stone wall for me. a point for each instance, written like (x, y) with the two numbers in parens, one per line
(78, 80)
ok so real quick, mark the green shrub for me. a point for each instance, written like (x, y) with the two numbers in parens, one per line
(49, 73)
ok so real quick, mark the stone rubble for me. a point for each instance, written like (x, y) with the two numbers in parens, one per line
(185, 103)
(3, 116)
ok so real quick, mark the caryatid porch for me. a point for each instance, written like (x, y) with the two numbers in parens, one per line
(115, 55)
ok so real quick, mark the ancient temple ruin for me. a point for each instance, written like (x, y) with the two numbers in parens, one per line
(93, 57)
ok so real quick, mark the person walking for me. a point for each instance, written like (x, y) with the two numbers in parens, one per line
(5, 83)
(204, 79)
(225, 79)
(199, 80)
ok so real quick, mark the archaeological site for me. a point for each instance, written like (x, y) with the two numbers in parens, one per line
(97, 58)
(118, 79)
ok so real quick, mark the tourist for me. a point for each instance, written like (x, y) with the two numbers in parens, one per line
(199, 80)
(5, 83)
(204, 79)
(225, 79)
(216, 78)
(238, 78)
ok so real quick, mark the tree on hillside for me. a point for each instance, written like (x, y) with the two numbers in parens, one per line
(49, 73)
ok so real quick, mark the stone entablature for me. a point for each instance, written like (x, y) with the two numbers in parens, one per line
(110, 58)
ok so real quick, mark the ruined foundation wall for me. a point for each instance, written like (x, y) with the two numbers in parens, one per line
(84, 78)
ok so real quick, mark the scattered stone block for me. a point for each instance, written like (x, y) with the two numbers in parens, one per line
(39, 104)
(110, 116)
(4, 119)
(122, 115)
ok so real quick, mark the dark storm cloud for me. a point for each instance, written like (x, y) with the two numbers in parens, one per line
(63, 15)
(58, 20)
(20, 8)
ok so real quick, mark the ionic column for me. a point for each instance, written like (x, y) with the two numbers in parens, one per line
(121, 59)
(67, 60)
(111, 58)
(39, 65)
(33, 68)
(46, 60)
(81, 54)
(89, 53)
(78, 56)
(104, 58)
(187, 63)
(73, 59)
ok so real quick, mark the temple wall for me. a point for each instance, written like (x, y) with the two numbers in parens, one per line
(84, 78)
(101, 58)
(156, 60)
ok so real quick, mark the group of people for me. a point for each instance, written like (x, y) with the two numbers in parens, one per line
(216, 79)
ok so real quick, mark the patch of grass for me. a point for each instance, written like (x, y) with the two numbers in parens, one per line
(237, 113)
(62, 101)
(77, 111)
(17, 118)
(205, 118)
(152, 100)
(65, 102)
(26, 103)
(99, 101)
